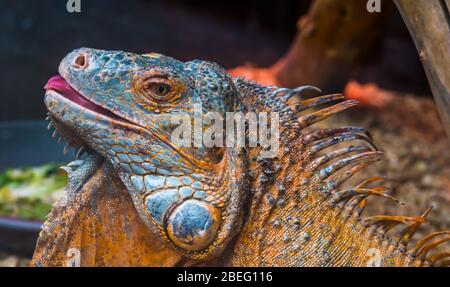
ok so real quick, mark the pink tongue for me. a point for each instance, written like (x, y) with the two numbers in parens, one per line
(60, 85)
(57, 83)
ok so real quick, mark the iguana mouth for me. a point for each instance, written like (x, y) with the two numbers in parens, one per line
(63, 88)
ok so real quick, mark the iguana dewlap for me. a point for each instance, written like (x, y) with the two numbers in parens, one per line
(135, 199)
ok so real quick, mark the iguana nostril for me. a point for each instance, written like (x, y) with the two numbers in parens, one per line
(80, 61)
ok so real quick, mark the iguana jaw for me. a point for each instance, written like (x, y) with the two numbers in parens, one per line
(64, 102)
(57, 86)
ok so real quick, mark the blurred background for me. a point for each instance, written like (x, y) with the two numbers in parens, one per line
(36, 35)
(336, 45)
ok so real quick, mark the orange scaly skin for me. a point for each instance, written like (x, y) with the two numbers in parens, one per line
(127, 201)
(93, 222)
(298, 224)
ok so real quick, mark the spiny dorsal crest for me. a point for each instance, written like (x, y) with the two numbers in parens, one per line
(334, 160)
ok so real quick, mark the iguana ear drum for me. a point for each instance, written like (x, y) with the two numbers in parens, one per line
(193, 225)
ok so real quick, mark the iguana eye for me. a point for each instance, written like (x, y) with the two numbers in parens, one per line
(156, 90)
(159, 90)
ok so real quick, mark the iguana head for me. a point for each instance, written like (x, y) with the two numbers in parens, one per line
(116, 105)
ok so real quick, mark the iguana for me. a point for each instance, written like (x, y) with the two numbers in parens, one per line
(136, 199)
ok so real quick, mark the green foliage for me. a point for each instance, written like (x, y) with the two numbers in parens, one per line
(29, 192)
